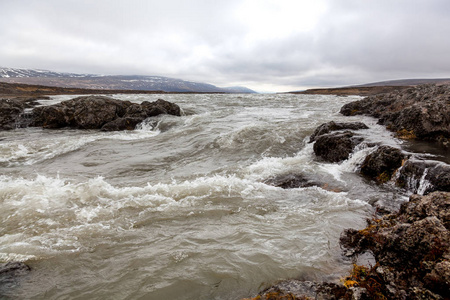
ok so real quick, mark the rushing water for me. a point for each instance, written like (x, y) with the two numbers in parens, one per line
(178, 209)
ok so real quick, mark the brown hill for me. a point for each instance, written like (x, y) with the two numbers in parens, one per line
(347, 91)
(27, 90)
(374, 88)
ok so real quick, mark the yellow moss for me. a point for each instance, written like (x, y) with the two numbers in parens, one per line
(364, 277)
(357, 276)
(383, 177)
(406, 134)
(350, 283)
(367, 231)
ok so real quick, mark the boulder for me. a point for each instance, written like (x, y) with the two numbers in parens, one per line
(160, 106)
(333, 126)
(411, 247)
(381, 164)
(127, 123)
(87, 112)
(421, 112)
(294, 289)
(100, 112)
(336, 147)
(11, 270)
(10, 110)
(290, 181)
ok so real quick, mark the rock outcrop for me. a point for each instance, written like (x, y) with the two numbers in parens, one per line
(421, 112)
(381, 164)
(335, 126)
(11, 110)
(411, 247)
(337, 146)
(100, 112)
(10, 274)
(384, 164)
(291, 181)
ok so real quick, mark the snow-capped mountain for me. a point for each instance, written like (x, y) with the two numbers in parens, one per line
(116, 82)
(24, 73)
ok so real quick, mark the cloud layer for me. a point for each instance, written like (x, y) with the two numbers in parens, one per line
(267, 45)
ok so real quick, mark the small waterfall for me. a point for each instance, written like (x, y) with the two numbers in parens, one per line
(424, 184)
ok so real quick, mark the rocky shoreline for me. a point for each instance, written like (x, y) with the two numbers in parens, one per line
(422, 112)
(86, 112)
(412, 246)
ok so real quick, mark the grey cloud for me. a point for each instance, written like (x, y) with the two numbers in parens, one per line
(353, 41)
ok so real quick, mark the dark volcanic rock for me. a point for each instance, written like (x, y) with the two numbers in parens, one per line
(88, 112)
(11, 270)
(10, 110)
(381, 164)
(412, 248)
(422, 112)
(336, 147)
(160, 107)
(333, 126)
(424, 176)
(294, 289)
(122, 124)
(295, 180)
(99, 112)
(290, 181)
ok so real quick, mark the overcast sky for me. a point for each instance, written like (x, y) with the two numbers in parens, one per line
(267, 45)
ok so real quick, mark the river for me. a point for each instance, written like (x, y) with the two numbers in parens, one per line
(180, 208)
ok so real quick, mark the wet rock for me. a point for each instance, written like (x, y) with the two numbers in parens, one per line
(291, 181)
(411, 247)
(421, 112)
(381, 164)
(420, 207)
(88, 112)
(10, 110)
(333, 126)
(424, 176)
(294, 288)
(11, 270)
(122, 124)
(99, 112)
(301, 290)
(160, 106)
(336, 147)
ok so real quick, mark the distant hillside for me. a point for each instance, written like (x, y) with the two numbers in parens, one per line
(407, 82)
(110, 82)
(38, 91)
(373, 88)
(347, 91)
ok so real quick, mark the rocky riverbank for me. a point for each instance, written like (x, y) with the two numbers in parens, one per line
(412, 251)
(86, 112)
(422, 112)
(411, 247)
